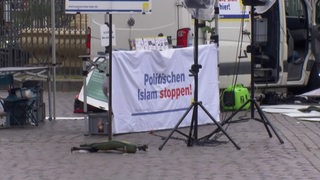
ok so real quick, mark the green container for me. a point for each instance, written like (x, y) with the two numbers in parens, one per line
(234, 97)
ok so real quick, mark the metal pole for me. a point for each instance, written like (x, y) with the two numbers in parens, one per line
(53, 24)
(84, 74)
(49, 95)
(253, 49)
(196, 75)
(85, 105)
(110, 114)
(216, 24)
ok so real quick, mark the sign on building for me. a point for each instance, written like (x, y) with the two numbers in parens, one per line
(233, 9)
(110, 6)
(104, 29)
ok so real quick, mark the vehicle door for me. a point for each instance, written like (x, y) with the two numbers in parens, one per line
(314, 78)
(315, 36)
(298, 18)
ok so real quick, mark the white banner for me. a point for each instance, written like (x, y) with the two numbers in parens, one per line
(152, 89)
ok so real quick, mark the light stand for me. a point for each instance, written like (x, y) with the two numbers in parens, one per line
(193, 131)
(252, 100)
(110, 79)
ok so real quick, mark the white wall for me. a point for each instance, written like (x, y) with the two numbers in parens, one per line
(166, 17)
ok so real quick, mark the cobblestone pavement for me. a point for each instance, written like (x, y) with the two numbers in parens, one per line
(44, 152)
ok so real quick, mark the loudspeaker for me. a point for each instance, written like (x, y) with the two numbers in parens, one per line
(197, 4)
(254, 2)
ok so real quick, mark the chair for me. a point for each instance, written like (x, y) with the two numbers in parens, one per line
(31, 110)
(5, 115)
(17, 108)
(20, 104)
(35, 89)
(6, 81)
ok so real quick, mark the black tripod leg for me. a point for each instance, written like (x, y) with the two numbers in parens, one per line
(263, 118)
(219, 126)
(176, 126)
(193, 125)
(226, 121)
(266, 120)
(237, 111)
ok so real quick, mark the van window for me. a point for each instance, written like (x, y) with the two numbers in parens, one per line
(296, 15)
(318, 12)
(295, 8)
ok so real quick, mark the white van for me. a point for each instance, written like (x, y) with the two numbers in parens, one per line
(286, 33)
(286, 47)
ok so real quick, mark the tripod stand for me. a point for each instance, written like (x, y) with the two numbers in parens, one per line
(253, 104)
(193, 131)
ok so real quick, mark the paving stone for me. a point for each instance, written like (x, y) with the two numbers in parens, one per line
(44, 152)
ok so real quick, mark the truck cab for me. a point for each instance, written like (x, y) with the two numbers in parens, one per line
(285, 51)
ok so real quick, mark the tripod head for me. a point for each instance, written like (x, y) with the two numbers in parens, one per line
(195, 69)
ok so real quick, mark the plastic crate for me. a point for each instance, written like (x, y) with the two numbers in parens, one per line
(98, 123)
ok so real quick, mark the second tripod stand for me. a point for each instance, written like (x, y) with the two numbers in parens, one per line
(192, 137)
(253, 103)
(193, 132)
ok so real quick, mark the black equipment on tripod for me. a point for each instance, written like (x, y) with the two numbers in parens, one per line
(253, 47)
(192, 138)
